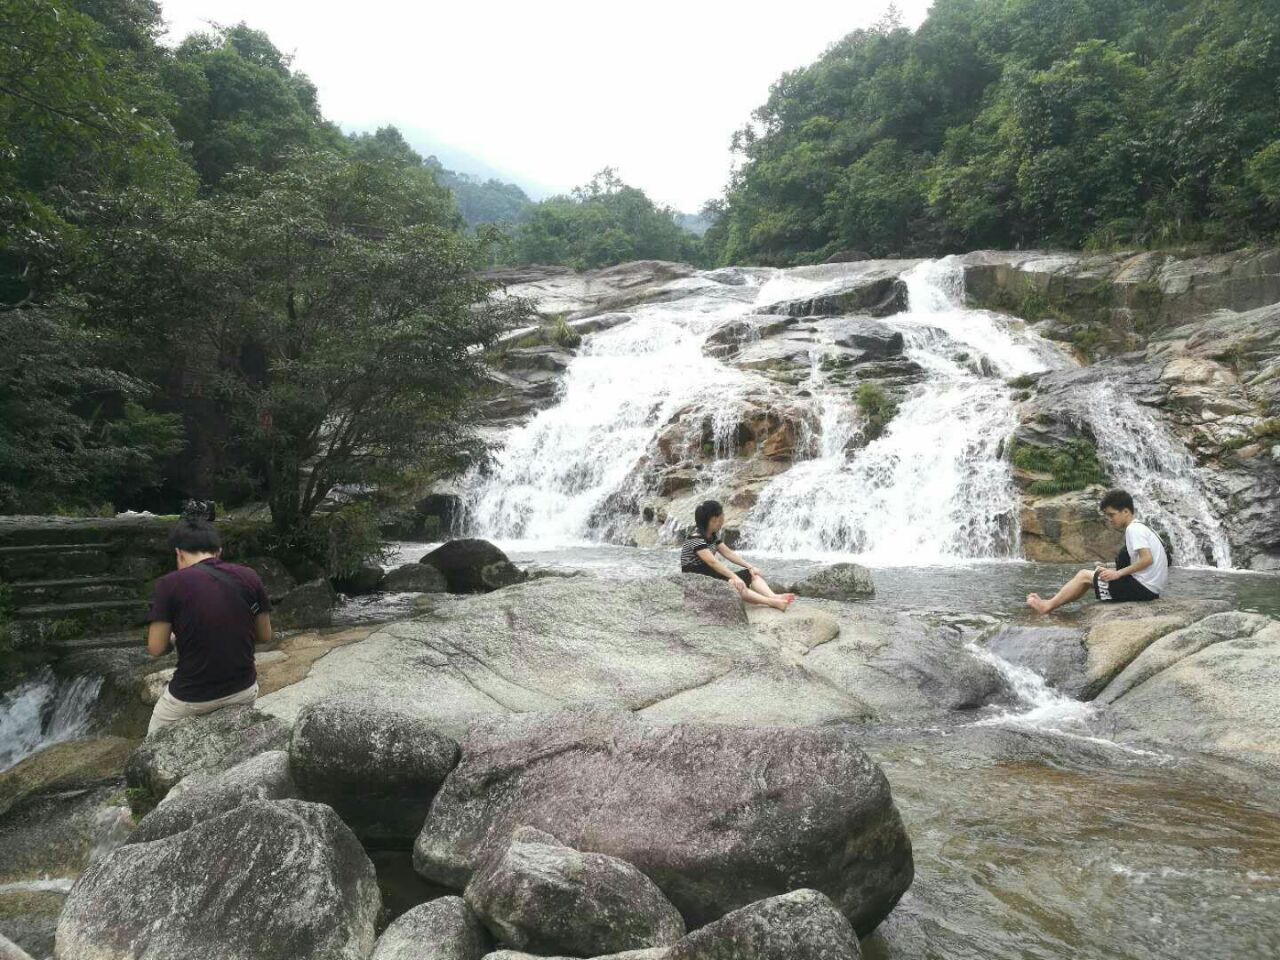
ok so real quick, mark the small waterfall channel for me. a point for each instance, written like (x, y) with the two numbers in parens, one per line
(42, 711)
(935, 486)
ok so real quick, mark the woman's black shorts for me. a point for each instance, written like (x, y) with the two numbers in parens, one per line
(743, 575)
(1124, 590)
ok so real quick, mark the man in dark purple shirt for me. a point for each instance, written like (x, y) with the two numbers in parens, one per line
(215, 612)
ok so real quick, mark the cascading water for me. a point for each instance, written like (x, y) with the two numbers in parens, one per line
(934, 487)
(552, 473)
(1168, 488)
(42, 711)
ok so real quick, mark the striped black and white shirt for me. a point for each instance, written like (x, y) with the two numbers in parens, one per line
(690, 562)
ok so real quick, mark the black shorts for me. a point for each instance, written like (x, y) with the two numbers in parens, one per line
(743, 575)
(1124, 590)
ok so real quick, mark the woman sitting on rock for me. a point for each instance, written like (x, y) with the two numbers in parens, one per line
(699, 555)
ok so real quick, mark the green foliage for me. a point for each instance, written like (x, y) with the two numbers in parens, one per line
(1000, 124)
(1071, 467)
(877, 407)
(1023, 382)
(206, 290)
(603, 223)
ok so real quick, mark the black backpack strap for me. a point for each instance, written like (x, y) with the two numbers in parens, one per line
(235, 583)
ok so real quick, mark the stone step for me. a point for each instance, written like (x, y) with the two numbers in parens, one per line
(141, 532)
(77, 590)
(94, 615)
(50, 561)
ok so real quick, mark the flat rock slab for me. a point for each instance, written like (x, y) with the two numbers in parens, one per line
(718, 817)
(678, 647)
(272, 880)
(1218, 694)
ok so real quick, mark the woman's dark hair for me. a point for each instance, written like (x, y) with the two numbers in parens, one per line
(194, 532)
(1117, 500)
(707, 511)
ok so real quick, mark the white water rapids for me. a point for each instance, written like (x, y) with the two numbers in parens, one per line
(936, 487)
(43, 711)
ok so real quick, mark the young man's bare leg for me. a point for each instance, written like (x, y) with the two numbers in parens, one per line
(750, 596)
(1074, 589)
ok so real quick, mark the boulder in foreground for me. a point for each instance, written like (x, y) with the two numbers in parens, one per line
(270, 880)
(541, 895)
(718, 817)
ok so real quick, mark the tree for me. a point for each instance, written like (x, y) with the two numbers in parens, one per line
(329, 314)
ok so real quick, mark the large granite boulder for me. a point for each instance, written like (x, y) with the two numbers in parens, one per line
(364, 579)
(840, 581)
(272, 880)
(802, 925)
(876, 296)
(718, 817)
(198, 798)
(443, 929)
(199, 745)
(378, 768)
(473, 566)
(1067, 528)
(541, 895)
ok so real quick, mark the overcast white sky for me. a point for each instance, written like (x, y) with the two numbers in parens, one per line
(550, 92)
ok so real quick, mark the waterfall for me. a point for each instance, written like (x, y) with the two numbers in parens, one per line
(42, 711)
(934, 487)
(1168, 489)
(554, 472)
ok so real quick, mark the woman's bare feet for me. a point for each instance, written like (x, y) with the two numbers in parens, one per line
(782, 603)
(789, 597)
(1036, 604)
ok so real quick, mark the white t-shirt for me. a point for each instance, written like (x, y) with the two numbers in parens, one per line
(1138, 535)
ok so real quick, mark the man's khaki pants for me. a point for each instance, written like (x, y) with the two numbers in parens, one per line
(169, 709)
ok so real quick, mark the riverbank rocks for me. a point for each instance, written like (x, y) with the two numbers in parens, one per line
(378, 768)
(195, 799)
(1082, 650)
(1213, 687)
(414, 578)
(443, 929)
(272, 880)
(877, 296)
(541, 895)
(199, 745)
(473, 566)
(1067, 528)
(840, 581)
(718, 817)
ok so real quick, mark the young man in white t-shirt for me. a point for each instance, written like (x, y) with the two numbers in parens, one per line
(1142, 567)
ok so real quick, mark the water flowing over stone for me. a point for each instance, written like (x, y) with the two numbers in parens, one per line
(934, 486)
(42, 711)
(1168, 489)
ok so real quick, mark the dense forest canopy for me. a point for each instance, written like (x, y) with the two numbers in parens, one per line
(1017, 123)
(206, 289)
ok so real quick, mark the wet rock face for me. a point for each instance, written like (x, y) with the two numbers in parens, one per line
(378, 768)
(775, 810)
(473, 566)
(541, 895)
(443, 929)
(414, 578)
(201, 745)
(876, 296)
(269, 879)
